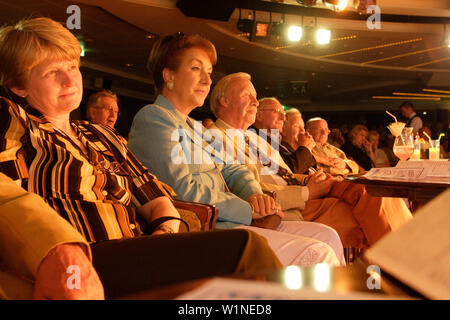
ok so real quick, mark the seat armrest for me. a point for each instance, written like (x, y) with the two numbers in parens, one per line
(207, 214)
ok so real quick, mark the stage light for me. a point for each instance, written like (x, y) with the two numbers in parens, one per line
(323, 36)
(295, 33)
(337, 5)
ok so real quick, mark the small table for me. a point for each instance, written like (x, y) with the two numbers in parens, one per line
(416, 191)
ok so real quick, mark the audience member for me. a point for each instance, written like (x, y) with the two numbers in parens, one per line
(336, 138)
(89, 177)
(102, 107)
(181, 67)
(358, 148)
(380, 158)
(35, 242)
(329, 158)
(296, 143)
(412, 118)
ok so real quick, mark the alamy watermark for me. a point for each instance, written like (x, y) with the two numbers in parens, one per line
(74, 20)
(374, 279)
(74, 280)
(374, 20)
(231, 146)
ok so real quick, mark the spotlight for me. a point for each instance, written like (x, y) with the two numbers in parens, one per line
(323, 36)
(337, 5)
(295, 33)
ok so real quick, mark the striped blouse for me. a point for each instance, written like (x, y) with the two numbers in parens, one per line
(98, 192)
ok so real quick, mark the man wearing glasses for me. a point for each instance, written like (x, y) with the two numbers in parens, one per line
(102, 108)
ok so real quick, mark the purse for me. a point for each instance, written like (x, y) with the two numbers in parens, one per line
(267, 222)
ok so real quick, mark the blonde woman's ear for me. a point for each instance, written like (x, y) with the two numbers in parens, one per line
(20, 92)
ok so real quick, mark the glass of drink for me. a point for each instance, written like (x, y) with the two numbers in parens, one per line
(433, 151)
(404, 144)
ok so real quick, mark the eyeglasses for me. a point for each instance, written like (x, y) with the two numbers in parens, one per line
(279, 111)
(109, 109)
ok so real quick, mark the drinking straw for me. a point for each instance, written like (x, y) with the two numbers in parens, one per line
(391, 115)
(429, 138)
(441, 135)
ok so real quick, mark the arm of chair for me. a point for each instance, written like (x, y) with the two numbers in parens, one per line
(206, 214)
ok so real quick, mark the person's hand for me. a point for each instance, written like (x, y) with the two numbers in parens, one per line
(367, 146)
(319, 184)
(306, 140)
(263, 205)
(338, 163)
(67, 274)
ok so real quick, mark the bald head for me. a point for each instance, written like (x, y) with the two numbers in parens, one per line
(318, 128)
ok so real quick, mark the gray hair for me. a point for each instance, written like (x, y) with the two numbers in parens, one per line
(263, 100)
(221, 87)
(310, 121)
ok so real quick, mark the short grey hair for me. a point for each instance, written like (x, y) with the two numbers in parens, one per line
(263, 100)
(292, 112)
(310, 121)
(221, 87)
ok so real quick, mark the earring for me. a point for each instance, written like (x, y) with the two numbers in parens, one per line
(170, 85)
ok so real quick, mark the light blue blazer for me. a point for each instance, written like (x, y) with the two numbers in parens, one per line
(175, 152)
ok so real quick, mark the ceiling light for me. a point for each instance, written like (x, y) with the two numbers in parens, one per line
(337, 5)
(342, 4)
(295, 33)
(323, 36)
(405, 98)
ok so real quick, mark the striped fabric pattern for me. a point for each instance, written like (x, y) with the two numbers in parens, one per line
(98, 192)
